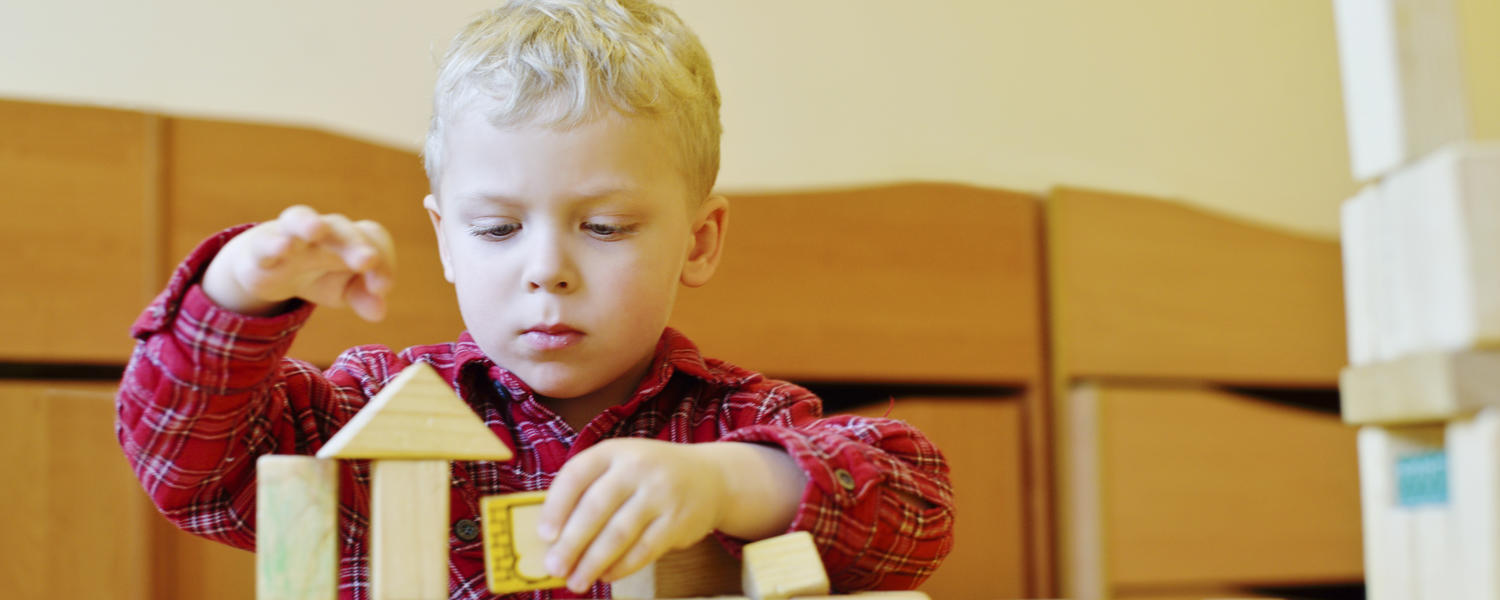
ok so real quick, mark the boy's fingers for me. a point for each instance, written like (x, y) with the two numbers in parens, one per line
(368, 305)
(302, 222)
(271, 246)
(563, 495)
(381, 276)
(650, 546)
(349, 243)
(620, 532)
(594, 510)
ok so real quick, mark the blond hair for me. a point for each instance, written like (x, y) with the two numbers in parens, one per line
(562, 63)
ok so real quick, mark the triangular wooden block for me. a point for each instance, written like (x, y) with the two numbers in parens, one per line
(417, 416)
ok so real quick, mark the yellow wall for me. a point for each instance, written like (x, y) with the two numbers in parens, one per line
(1229, 104)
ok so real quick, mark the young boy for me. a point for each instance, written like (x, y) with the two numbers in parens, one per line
(572, 154)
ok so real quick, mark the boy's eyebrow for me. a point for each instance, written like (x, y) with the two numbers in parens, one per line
(589, 196)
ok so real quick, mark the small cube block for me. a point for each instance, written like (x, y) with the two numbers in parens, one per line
(784, 566)
(702, 570)
(513, 552)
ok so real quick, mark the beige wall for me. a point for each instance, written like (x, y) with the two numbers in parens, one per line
(1229, 104)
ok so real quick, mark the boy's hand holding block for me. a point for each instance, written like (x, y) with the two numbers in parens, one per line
(513, 552)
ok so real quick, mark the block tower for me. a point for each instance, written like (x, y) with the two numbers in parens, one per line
(1421, 244)
(410, 431)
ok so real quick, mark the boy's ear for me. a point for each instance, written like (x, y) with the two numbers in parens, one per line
(709, 226)
(430, 203)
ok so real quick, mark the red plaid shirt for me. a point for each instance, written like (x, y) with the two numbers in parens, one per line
(208, 390)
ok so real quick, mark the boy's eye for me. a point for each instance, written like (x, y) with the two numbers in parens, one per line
(609, 232)
(495, 232)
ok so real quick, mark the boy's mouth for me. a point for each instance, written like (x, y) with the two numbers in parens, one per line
(551, 337)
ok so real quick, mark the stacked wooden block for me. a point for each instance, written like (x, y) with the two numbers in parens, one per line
(1422, 290)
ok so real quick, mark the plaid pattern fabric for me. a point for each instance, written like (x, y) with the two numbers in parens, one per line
(207, 391)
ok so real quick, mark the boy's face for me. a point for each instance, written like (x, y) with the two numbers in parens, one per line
(565, 247)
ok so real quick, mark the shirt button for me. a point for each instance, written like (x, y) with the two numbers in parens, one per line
(466, 530)
(845, 479)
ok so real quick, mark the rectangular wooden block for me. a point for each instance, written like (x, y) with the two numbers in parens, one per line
(513, 552)
(1417, 74)
(1421, 388)
(1430, 492)
(1422, 257)
(703, 569)
(784, 566)
(409, 529)
(296, 528)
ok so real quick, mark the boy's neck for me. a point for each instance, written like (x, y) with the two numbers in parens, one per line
(577, 412)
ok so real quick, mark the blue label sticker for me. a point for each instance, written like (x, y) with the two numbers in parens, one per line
(1422, 479)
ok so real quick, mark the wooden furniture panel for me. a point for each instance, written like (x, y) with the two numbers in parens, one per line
(932, 283)
(78, 183)
(74, 518)
(187, 567)
(1194, 487)
(982, 440)
(221, 174)
(918, 283)
(1142, 288)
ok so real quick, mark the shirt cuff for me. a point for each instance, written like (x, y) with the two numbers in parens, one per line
(843, 487)
(213, 347)
(163, 309)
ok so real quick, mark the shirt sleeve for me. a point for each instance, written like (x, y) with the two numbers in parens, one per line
(878, 501)
(208, 390)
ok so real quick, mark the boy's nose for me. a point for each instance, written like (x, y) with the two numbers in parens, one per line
(548, 268)
(558, 286)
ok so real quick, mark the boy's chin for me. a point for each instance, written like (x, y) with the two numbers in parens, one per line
(553, 384)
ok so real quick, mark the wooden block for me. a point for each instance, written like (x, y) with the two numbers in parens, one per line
(1421, 388)
(1417, 74)
(1422, 257)
(513, 552)
(1390, 535)
(881, 595)
(1356, 224)
(1430, 494)
(784, 566)
(703, 569)
(1474, 523)
(409, 529)
(296, 528)
(416, 416)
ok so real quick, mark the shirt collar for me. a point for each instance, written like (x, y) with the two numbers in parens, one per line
(674, 353)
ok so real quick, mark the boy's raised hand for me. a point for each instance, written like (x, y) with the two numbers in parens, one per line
(325, 259)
